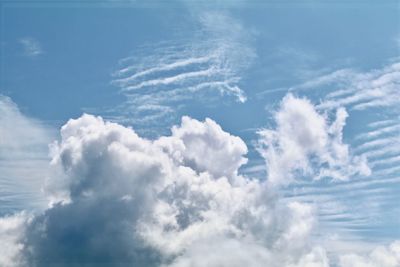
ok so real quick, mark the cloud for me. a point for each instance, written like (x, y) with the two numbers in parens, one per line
(305, 143)
(11, 232)
(31, 47)
(23, 158)
(130, 200)
(380, 257)
(118, 199)
(163, 78)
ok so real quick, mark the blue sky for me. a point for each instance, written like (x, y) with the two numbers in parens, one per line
(145, 65)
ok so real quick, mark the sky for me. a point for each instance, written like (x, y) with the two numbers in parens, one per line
(152, 133)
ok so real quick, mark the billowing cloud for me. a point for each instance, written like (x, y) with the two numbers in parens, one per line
(11, 234)
(304, 143)
(371, 97)
(380, 257)
(126, 199)
(118, 199)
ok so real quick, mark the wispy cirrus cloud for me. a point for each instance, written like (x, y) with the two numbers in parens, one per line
(166, 201)
(377, 88)
(160, 79)
(31, 47)
(381, 256)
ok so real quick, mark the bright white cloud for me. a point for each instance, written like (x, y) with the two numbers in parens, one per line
(161, 202)
(371, 97)
(11, 232)
(304, 142)
(380, 257)
(118, 197)
(205, 147)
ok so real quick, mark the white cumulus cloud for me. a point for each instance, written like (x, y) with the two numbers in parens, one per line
(160, 202)
(305, 143)
(23, 158)
(380, 257)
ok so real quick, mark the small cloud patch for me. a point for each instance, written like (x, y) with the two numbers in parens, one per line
(31, 47)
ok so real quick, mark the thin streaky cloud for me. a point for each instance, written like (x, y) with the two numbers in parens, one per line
(386, 160)
(393, 129)
(339, 76)
(388, 171)
(165, 67)
(31, 47)
(336, 190)
(378, 124)
(378, 143)
(173, 79)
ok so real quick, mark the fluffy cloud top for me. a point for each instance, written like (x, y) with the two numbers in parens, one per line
(205, 147)
(31, 47)
(118, 199)
(305, 143)
(126, 199)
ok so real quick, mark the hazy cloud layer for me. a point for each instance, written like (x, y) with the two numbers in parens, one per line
(23, 158)
(128, 199)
